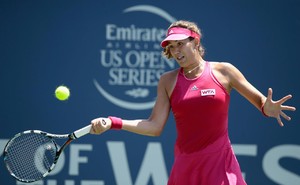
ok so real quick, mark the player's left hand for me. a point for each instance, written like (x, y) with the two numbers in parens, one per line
(275, 108)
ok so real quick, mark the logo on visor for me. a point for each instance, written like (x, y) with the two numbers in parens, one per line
(131, 60)
(171, 31)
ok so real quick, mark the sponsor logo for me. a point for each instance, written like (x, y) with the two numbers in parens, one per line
(131, 60)
(194, 88)
(208, 92)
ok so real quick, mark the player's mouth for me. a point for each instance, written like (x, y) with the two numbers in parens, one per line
(180, 58)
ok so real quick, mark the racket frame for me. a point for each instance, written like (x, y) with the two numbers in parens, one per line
(73, 136)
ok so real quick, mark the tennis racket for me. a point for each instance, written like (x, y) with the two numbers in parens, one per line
(31, 155)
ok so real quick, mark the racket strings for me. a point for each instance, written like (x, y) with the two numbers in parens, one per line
(30, 156)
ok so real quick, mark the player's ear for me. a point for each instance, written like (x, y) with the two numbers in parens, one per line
(197, 43)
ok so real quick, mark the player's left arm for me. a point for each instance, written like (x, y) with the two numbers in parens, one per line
(269, 106)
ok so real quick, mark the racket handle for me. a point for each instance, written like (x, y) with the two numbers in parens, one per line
(83, 131)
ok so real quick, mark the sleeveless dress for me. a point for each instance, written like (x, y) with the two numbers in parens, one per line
(203, 152)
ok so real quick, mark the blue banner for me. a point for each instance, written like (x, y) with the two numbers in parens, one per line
(108, 53)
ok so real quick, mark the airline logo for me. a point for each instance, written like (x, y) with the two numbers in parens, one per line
(130, 58)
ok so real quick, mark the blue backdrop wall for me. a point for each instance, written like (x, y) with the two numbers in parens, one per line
(96, 49)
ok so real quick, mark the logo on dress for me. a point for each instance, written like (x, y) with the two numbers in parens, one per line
(194, 88)
(208, 92)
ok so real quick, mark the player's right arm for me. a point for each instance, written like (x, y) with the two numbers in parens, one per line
(153, 126)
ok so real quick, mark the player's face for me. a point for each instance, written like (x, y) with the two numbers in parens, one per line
(182, 51)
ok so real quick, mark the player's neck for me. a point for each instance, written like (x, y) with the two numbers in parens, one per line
(194, 70)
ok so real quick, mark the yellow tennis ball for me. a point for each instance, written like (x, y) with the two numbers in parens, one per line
(62, 93)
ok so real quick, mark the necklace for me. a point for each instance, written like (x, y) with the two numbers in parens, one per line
(188, 72)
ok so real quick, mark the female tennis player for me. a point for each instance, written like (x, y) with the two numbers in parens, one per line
(198, 93)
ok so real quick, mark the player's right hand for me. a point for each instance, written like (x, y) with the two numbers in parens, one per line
(100, 125)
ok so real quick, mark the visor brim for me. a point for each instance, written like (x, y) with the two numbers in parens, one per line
(180, 36)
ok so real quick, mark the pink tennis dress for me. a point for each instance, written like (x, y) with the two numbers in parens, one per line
(203, 152)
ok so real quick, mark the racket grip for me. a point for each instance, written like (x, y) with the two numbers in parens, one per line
(83, 131)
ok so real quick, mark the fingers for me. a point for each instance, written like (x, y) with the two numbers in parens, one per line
(269, 97)
(98, 126)
(279, 121)
(94, 129)
(285, 116)
(276, 108)
(288, 108)
(284, 99)
(270, 94)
